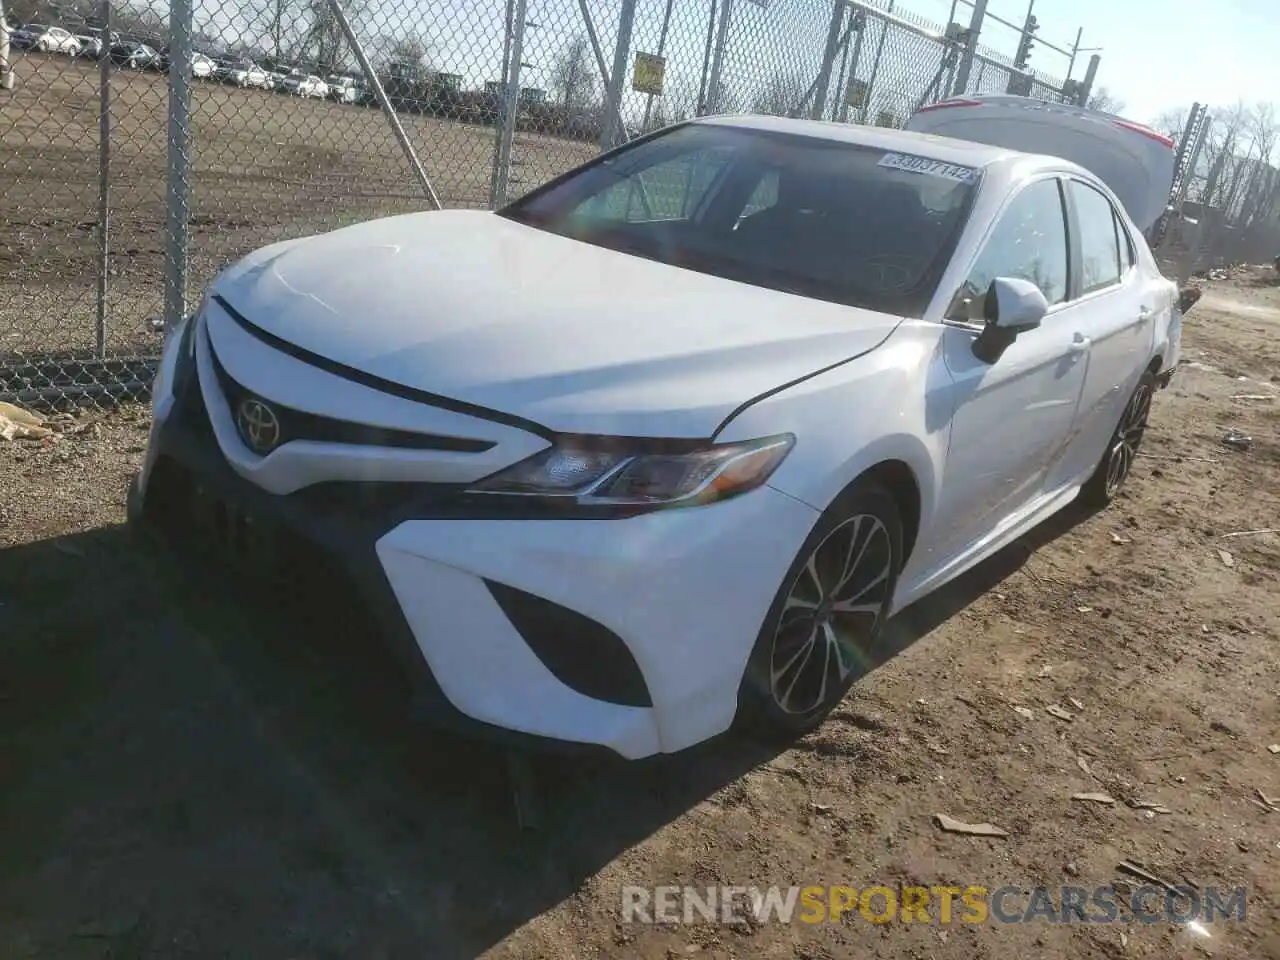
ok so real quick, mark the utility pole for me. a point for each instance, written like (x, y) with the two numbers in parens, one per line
(970, 48)
(1029, 28)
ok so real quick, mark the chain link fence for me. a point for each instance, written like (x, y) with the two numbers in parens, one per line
(145, 150)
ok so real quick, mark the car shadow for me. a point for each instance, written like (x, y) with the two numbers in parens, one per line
(192, 763)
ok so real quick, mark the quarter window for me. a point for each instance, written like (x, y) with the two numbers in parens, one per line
(1099, 248)
(1028, 243)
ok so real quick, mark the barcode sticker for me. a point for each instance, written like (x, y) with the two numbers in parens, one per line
(932, 168)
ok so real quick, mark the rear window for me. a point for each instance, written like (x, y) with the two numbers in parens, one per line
(819, 218)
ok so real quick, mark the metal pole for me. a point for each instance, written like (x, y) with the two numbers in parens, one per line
(1075, 47)
(1086, 86)
(829, 55)
(841, 110)
(6, 69)
(717, 58)
(497, 120)
(875, 64)
(662, 46)
(860, 20)
(614, 128)
(372, 76)
(701, 107)
(598, 52)
(179, 192)
(511, 105)
(970, 48)
(104, 178)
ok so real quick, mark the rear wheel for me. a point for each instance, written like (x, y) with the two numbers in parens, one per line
(825, 617)
(1122, 449)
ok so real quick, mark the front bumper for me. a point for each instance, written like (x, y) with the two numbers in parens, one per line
(625, 634)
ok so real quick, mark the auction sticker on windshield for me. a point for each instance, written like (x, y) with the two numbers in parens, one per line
(925, 165)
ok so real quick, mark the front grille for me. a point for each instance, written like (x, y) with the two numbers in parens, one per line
(300, 425)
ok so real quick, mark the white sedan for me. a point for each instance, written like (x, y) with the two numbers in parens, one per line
(46, 39)
(306, 86)
(249, 75)
(662, 445)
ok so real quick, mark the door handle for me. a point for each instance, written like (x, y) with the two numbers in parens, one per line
(1145, 313)
(1079, 344)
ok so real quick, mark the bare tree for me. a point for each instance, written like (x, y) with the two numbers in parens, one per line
(407, 58)
(1172, 122)
(573, 79)
(781, 96)
(279, 26)
(1105, 101)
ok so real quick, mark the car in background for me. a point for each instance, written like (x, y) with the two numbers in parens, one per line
(246, 73)
(660, 447)
(90, 46)
(342, 89)
(45, 39)
(202, 66)
(135, 56)
(305, 85)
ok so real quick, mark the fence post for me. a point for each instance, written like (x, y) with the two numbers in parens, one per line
(612, 109)
(613, 131)
(104, 176)
(6, 70)
(865, 110)
(511, 101)
(662, 45)
(372, 76)
(860, 26)
(829, 54)
(714, 92)
(970, 48)
(498, 127)
(1086, 85)
(179, 187)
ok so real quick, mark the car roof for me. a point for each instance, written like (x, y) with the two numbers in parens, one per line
(946, 149)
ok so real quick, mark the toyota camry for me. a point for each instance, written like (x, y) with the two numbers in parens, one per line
(658, 448)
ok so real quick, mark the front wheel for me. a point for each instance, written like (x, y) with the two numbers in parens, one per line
(826, 616)
(1122, 449)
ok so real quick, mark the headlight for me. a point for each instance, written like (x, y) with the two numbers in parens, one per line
(591, 476)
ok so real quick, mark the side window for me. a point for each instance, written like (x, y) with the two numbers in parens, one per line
(765, 194)
(1128, 256)
(1029, 242)
(672, 190)
(1099, 249)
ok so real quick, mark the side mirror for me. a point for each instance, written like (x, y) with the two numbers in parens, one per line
(1011, 306)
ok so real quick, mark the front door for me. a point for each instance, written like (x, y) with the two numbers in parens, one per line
(1012, 417)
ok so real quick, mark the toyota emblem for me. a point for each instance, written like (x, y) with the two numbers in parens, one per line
(258, 425)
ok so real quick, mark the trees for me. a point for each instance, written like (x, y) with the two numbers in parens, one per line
(1105, 101)
(573, 78)
(782, 95)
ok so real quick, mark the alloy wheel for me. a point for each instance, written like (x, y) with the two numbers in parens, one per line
(832, 609)
(1128, 437)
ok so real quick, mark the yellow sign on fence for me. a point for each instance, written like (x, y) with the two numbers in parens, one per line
(648, 72)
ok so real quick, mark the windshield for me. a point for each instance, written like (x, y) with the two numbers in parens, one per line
(816, 217)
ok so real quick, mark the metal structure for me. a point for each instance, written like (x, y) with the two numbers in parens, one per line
(117, 218)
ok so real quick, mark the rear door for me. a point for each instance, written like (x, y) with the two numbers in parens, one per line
(1113, 309)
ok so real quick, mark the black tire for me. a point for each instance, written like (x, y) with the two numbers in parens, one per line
(784, 692)
(1122, 448)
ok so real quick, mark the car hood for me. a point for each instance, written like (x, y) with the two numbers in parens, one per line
(580, 339)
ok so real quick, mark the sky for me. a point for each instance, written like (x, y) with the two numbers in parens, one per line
(1157, 54)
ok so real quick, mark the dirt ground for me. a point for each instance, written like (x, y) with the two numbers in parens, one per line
(265, 167)
(187, 773)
